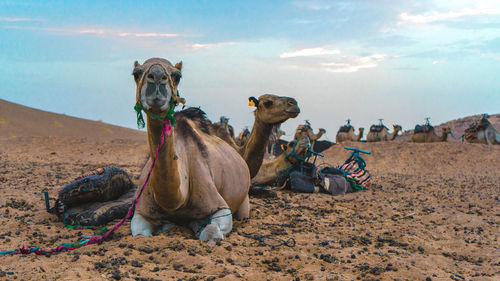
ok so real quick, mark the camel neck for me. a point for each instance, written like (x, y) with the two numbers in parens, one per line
(255, 147)
(394, 134)
(444, 136)
(360, 135)
(165, 179)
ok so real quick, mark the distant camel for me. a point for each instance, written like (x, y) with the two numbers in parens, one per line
(381, 133)
(346, 133)
(430, 136)
(482, 132)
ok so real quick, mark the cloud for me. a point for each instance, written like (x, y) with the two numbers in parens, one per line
(313, 5)
(99, 32)
(319, 51)
(4, 19)
(198, 46)
(354, 63)
(121, 33)
(435, 16)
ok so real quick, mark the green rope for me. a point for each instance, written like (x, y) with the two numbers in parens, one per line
(140, 119)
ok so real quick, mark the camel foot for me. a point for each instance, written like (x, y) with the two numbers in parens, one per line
(140, 226)
(221, 223)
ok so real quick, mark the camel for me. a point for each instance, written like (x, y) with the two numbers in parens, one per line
(482, 132)
(346, 133)
(198, 180)
(274, 138)
(430, 136)
(381, 133)
(271, 111)
(306, 130)
(294, 153)
(242, 137)
(223, 130)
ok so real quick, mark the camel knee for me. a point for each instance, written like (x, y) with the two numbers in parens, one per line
(140, 226)
(244, 210)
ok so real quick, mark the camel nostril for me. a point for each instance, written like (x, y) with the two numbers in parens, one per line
(292, 101)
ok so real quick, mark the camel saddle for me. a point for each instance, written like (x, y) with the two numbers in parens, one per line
(423, 128)
(478, 126)
(345, 129)
(377, 128)
(96, 198)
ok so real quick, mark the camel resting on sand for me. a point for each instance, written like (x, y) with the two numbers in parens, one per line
(346, 133)
(222, 129)
(430, 136)
(306, 130)
(271, 110)
(293, 154)
(381, 133)
(482, 132)
(198, 180)
(242, 137)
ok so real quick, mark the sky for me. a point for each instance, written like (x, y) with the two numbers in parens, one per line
(361, 59)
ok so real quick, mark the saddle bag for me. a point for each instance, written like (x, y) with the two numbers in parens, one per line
(299, 182)
(97, 198)
(336, 184)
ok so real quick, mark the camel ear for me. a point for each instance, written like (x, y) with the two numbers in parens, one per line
(137, 72)
(178, 65)
(253, 102)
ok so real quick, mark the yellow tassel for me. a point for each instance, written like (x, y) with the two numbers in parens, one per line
(251, 103)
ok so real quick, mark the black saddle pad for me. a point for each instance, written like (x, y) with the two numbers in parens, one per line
(345, 129)
(377, 128)
(423, 129)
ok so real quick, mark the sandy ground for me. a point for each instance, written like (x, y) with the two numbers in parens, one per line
(433, 212)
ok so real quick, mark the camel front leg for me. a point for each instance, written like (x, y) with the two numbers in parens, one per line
(219, 224)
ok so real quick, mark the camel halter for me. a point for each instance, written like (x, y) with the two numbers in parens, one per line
(176, 99)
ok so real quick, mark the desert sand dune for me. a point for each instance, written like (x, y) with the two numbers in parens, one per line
(432, 212)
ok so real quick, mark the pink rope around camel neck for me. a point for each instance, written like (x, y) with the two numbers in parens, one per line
(166, 130)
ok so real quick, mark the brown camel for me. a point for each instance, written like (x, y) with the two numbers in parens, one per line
(381, 133)
(482, 132)
(430, 136)
(269, 170)
(306, 130)
(346, 133)
(271, 110)
(223, 130)
(198, 180)
(242, 137)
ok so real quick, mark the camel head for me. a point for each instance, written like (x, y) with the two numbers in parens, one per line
(302, 146)
(272, 109)
(397, 128)
(322, 130)
(224, 121)
(446, 130)
(156, 81)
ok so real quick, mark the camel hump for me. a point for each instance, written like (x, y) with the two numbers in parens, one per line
(198, 116)
(345, 129)
(377, 128)
(423, 128)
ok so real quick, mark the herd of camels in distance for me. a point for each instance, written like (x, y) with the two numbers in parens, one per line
(198, 173)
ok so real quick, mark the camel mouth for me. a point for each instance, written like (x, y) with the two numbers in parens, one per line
(292, 113)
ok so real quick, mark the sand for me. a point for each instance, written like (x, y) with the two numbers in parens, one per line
(433, 212)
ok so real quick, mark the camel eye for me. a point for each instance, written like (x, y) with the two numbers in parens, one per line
(268, 104)
(164, 77)
(151, 78)
(176, 76)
